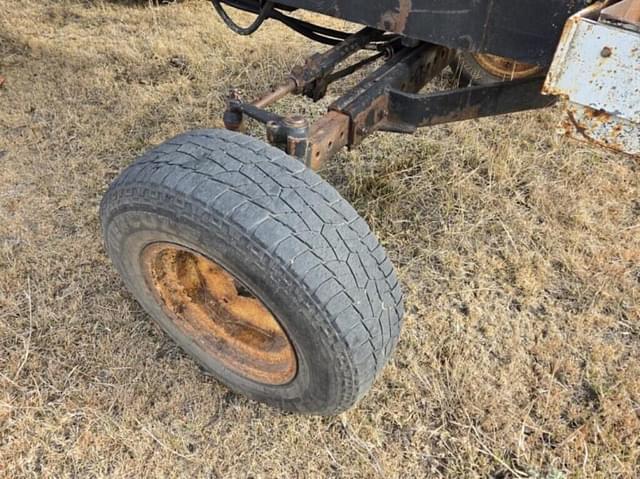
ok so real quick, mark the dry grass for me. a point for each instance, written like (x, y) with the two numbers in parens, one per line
(519, 253)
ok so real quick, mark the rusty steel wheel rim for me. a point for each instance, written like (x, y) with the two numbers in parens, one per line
(505, 68)
(219, 313)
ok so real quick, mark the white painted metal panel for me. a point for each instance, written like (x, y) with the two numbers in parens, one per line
(597, 70)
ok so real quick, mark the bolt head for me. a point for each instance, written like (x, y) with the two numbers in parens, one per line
(296, 121)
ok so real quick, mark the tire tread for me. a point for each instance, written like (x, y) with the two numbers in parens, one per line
(299, 220)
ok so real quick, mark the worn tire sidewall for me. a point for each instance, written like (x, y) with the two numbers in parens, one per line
(322, 359)
(471, 72)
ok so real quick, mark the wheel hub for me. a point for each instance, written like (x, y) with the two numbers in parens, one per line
(220, 314)
(505, 68)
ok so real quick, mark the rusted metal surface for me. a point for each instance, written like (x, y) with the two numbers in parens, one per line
(625, 11)
(327, 136)
(219, 314)
(320, 65)
(311, 79)
(296, 131)
(362, 110)
(276, 94)
(505, 68)
(395, 20)
(597, 72)
(369, 119)
(409, 71)
(387, 100)
(601, 128)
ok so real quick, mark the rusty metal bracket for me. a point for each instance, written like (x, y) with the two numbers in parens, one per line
(291, 133)
(365, 108)
(367, 105)
(327, 136)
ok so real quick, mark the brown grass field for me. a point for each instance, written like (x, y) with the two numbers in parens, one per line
(519, 253)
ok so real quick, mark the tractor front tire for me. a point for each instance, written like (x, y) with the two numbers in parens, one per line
(257, 268)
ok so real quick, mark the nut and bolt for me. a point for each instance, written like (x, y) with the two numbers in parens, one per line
(605, 52)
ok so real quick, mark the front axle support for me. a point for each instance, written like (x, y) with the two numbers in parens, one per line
(386, 100)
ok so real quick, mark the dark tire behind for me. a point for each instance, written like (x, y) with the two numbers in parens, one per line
(470, 71)
(285, 233)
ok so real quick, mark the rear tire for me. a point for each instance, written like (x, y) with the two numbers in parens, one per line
(485, 69)
(286, 238)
